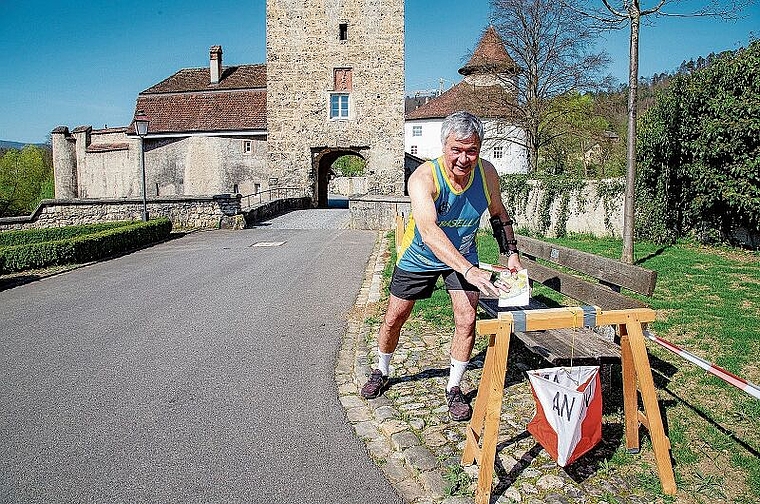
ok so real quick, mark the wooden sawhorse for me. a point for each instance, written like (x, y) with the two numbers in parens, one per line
(635, 369)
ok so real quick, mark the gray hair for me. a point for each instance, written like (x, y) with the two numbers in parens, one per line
(462, 125)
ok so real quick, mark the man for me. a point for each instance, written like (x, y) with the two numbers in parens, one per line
(448, 196)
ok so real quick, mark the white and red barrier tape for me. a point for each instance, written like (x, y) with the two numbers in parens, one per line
(711, 368)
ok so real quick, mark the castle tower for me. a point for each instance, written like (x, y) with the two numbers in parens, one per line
(335, 86)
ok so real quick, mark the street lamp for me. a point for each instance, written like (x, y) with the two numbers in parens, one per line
(141, 128)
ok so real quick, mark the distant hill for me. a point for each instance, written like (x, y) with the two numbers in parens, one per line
(7, 144)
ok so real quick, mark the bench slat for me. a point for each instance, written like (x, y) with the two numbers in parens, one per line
(579, 289)
(614, 272)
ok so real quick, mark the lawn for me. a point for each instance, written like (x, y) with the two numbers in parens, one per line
(708, 303)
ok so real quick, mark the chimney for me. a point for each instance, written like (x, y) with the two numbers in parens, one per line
(216, 64)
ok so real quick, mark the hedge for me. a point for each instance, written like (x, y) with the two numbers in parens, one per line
(27, 236)
(83, 248)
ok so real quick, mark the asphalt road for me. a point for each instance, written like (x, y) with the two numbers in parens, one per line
(197, 370)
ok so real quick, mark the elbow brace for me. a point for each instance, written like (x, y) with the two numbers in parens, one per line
(505, 245)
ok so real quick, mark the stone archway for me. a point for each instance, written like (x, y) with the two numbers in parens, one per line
(323, 158)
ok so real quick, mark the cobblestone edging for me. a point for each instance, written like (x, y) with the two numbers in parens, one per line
(408, 433)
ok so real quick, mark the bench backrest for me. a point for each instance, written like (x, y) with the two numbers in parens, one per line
(611, 275)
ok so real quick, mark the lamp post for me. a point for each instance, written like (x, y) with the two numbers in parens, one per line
(141, 128)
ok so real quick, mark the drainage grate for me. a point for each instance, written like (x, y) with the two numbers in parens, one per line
(267, 244)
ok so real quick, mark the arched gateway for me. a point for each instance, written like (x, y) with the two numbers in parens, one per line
(323, 159)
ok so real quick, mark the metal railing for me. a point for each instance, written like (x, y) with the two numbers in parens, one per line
(252, 200)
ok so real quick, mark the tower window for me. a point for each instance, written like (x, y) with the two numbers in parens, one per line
(498, 153)
(343, 31)
(339, 106)
(416, 130)
(247, 146)
(414, 150)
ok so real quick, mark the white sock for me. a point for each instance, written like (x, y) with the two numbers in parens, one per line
(456, 371)
(383, 362)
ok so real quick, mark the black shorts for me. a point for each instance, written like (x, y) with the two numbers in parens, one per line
(413, 285)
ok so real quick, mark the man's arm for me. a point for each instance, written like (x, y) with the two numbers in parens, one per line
(496, 209)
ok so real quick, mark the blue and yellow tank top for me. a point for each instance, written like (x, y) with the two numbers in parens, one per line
(459, 215)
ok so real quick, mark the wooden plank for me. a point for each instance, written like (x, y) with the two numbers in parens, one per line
(579, 289)
(613, 272)
(569, 316)
(494, 394)
(660, 442)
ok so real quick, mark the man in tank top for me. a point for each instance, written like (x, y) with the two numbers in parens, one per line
(448, 196)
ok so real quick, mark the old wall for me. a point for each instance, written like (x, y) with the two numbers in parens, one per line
(304, 51)
(184, 212)
(106, 164)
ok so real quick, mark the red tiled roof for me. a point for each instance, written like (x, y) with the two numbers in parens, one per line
(187, 102)
(204, 112)
(489, 56)
(107, 147)
(483, 101)
(199, 79)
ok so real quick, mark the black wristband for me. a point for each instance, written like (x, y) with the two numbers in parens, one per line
(512, 251)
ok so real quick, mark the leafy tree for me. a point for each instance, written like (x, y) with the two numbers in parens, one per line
(26, 177)
(552, 44)
(349, 166)
(587, 145)
(699, 152)
(619, 13)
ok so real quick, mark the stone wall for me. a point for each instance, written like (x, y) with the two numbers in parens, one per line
(587, 213)
(377, 212)
(349, 186)
(106, 164)
(213, 212)
(304, 57)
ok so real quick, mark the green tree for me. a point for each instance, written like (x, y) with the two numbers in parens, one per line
(26, 177)
(699, 152)
(349, 166)
(553, 46)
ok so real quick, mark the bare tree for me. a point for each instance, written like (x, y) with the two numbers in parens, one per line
(618, 14)
(552, 45)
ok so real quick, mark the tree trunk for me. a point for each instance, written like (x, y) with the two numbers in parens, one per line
(630, 178)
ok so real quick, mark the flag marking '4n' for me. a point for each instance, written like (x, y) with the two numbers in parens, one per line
(568, 420)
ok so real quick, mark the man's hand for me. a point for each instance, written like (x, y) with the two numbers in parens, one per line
(482, 280)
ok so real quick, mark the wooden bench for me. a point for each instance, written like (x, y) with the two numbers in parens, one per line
(582, 346)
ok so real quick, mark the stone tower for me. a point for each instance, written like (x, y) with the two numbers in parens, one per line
(335, 86)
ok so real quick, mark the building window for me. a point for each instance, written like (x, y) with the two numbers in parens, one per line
(498, 152)
(499, 128)
(339, 106)
(235, 189)
(414, 150)
(256, 188)
(343, 31)
(416, 130)
(247, 146)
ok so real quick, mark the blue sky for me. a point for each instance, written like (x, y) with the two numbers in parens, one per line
(83, 63)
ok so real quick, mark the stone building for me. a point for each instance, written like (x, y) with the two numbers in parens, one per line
(207, 136)
(333, 84)
(487, 90)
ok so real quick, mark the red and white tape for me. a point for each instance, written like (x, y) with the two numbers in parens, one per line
(711, 368)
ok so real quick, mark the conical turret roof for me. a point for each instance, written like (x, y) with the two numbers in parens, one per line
(490, 56)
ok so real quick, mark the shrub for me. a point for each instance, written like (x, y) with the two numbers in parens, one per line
(27, 236)
(83, 248)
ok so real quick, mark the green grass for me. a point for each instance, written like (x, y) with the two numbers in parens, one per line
(708, 303)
